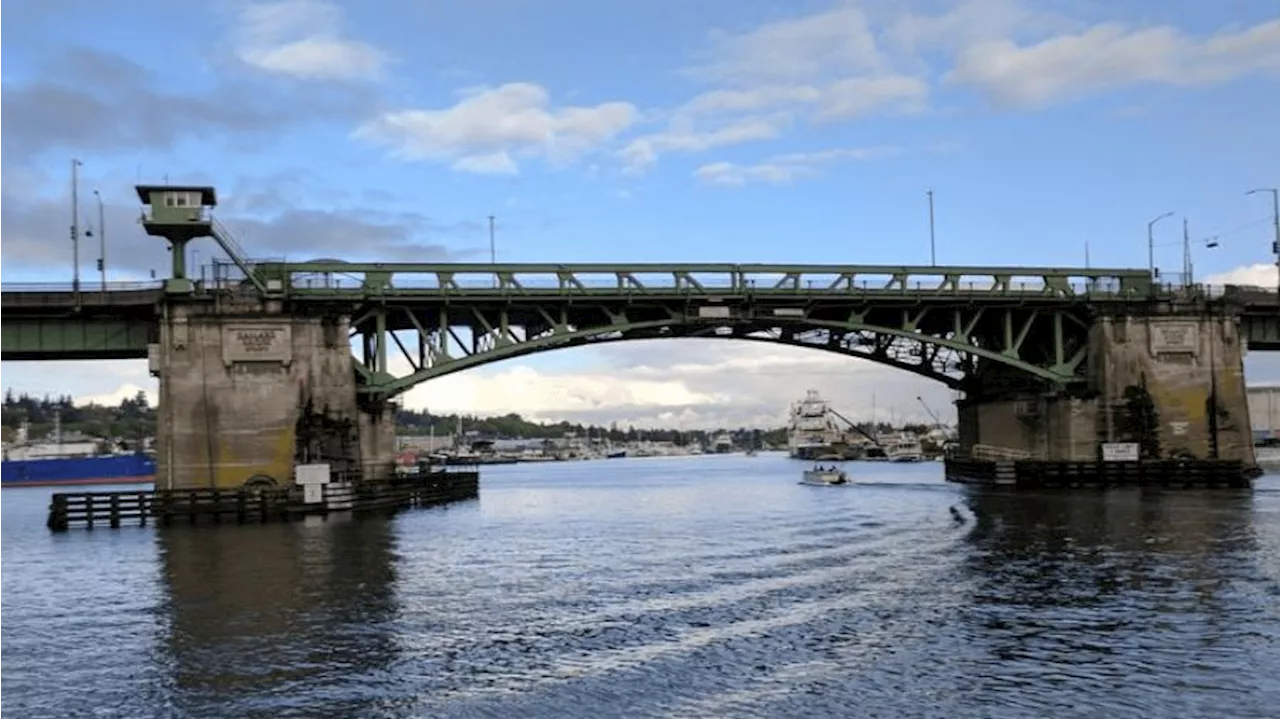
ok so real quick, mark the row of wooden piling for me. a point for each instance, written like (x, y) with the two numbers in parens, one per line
(1048, 474)
(243, 505)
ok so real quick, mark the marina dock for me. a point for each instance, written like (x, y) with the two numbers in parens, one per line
(243, 505)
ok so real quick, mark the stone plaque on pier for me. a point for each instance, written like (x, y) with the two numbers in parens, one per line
(257, 343)
(1168, 338)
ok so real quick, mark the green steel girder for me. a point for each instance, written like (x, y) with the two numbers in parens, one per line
(349, 281)
(76, 337)
(946, 344)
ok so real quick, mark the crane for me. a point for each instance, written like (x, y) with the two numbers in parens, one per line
(937, 422)
(856, 428)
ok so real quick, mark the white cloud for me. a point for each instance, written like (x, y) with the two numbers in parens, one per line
(783, 169)
(686, 384)
(643, 151)
(752, 100)
(858, 96)
(1111, 55)
(302, 39)
(836, 41)
(859, 60)
(104, 382)
(125, 391)
(1259, 275)
(489, 128)
(824, 67)
(971, 22)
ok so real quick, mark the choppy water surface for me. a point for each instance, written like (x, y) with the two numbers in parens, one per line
(689, 587)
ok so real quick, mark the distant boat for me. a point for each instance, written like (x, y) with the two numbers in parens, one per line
(825, 476)
(616, 454)
(906, 448)
(812, 431)
(134, 468)
(69, 461)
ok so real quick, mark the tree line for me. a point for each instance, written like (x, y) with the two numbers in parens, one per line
(135, 418)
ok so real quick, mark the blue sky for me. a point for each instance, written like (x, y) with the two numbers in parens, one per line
(661, 131)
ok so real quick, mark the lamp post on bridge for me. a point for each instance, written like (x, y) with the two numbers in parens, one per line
(1151, 242)
(75, 227)
(102, 241)
(933, 250)
(493, 251)
(1275, 222)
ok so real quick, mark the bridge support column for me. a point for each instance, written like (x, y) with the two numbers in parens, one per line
(377, 425)
(1031, 425)
(247, 393)
(1173, 383)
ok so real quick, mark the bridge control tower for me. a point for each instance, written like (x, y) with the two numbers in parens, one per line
(180, 214)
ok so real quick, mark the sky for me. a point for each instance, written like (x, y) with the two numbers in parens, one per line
(714, 131)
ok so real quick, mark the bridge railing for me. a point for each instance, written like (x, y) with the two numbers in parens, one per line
(85, 287)
(347, 280)
(320, 278)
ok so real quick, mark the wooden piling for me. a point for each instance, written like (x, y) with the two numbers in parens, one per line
(244, 504)
(1047, 474)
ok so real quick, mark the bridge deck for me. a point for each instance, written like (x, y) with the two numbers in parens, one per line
(47, 321)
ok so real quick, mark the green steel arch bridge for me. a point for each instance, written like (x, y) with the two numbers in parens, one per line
(413, 322)
(1054, 364)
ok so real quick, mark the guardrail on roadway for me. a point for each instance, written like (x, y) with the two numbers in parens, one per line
(85, 289)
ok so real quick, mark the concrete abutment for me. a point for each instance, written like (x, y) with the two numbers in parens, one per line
(1171, 383)
(247, 391)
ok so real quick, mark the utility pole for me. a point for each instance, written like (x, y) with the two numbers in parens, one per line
(102, 242)
(1275, 223)
(1086, 254)
(1186, 253)
(1151, 243)
(493, 252)
(75, 228)
(933, 248)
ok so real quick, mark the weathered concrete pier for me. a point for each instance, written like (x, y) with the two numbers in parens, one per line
(250, 386)
(1163, 401)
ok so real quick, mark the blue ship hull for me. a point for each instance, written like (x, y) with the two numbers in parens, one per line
(108, 469)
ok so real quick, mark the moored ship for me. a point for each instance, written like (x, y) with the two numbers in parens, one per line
(132, 468)
(72, 460)
(812, 432)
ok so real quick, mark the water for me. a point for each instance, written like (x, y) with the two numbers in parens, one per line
(688, 587)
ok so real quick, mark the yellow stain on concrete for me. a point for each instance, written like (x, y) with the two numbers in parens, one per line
(232, 470)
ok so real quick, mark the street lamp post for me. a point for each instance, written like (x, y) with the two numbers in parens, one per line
(933, 248)
(75, 227)
(493, 251)
(102, 241)
(1151, 242)
(1275, 223)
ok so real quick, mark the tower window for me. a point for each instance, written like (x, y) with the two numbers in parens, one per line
(182, 199)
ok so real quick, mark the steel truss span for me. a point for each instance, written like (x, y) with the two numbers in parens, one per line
(400, 346)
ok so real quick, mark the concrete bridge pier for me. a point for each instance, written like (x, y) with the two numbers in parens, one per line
(1171, 383)
(248, 391)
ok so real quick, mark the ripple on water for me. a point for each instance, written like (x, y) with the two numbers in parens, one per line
(674, 588)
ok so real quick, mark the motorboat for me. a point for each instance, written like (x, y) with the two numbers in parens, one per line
(825, 476)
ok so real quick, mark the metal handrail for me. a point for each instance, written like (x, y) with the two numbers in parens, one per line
(85, 288)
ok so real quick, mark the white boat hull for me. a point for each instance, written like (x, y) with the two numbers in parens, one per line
(824, 478)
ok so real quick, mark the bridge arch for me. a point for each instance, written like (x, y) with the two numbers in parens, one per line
(945, 356)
